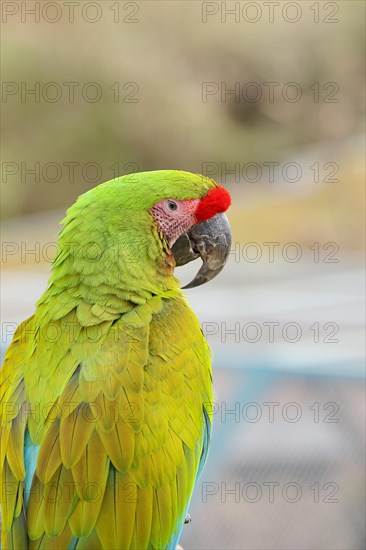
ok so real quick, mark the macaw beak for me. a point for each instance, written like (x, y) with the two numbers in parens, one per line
(210, 240)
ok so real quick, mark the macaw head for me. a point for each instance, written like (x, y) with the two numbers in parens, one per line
(154, 220)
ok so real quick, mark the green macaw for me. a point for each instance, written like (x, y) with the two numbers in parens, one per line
(106, 392)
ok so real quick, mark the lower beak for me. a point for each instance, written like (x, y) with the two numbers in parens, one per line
(210, 240)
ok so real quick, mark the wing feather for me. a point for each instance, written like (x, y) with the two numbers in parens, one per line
(125, 435)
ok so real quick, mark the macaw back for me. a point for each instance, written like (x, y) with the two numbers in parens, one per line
(114, 432)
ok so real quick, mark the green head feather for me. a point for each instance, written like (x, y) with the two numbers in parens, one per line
(110, 250)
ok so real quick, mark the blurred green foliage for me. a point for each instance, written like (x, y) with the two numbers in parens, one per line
(168, 55)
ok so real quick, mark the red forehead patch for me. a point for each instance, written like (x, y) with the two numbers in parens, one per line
(216, 201)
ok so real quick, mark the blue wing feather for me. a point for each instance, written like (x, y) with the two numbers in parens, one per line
(30, 461)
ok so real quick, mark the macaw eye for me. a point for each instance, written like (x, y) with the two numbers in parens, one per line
(172, 205)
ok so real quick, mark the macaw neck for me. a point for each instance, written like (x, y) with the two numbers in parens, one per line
(112, 274)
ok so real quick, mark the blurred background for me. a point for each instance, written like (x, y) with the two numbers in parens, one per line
(268, 99)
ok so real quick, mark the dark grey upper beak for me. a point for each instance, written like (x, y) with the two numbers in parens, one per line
(210, 240)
